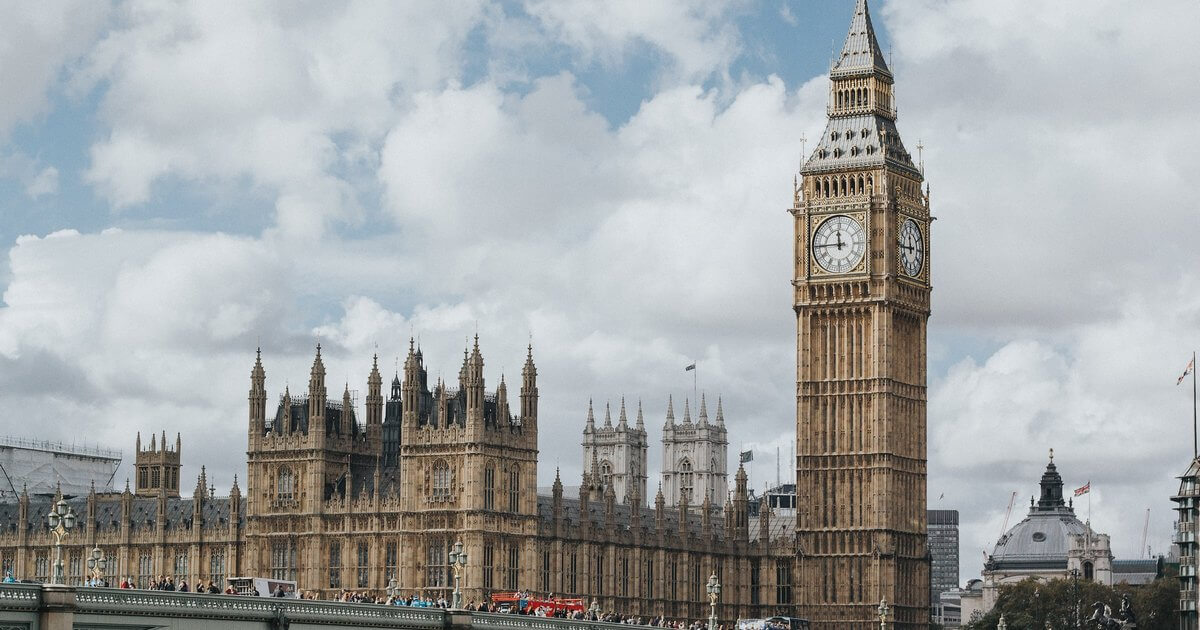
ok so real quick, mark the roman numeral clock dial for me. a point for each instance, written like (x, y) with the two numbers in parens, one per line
(912, 248)
(839, 243)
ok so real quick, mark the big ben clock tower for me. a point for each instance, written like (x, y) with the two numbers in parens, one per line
(862, 301)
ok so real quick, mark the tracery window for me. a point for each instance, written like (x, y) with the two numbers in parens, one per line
(181, 566)
(435, 565)
(514, 566)
(335, 564)
(606, 472)
(514, 489)
(685, 479)
(283, 561)
(489, 487)
(363, 565)
(441, 481)
(391, 553)
(489, 553)
(285, 486)
(216, 567)
(145, 570)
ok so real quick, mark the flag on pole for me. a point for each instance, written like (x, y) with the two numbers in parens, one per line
(1084, 489)
(690, 367)
(746, 456)
(1187, 370)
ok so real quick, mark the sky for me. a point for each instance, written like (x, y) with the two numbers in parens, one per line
(181, 183)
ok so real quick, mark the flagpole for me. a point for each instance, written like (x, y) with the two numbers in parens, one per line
(1194, 451)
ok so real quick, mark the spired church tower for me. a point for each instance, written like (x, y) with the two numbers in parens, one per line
(862, 289)
(619, 454)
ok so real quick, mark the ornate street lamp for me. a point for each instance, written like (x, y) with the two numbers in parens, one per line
(1002, 625)
(714, 593)
(61, 520)
(458, 560)
(97, 564)
(883, 613)
(393, 590)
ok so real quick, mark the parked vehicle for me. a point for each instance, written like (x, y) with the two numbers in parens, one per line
(264, 587)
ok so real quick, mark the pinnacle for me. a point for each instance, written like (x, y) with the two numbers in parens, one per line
(607, 416)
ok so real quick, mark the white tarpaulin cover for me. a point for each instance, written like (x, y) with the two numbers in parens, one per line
(41, 466)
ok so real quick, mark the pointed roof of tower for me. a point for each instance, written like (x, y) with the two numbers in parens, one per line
(257, 374)
(670, 412)
(622, 419)
(318, 366)
(861, 53)
(703, 420)
(720, 413)
(591, 419)
(687, 412)
(374, 376)
(607, 416)
(641, 423)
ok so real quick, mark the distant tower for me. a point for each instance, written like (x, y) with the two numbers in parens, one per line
(157, 467)
(620, 453)
(695, 460)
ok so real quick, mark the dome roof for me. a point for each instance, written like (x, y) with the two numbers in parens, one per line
(1044, 536)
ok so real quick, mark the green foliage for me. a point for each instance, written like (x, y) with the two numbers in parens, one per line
(1030, 604)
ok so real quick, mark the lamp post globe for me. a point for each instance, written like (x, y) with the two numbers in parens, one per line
(714, 593)
(458, 560)
(61, 520)
(97, 563)
(884, 611)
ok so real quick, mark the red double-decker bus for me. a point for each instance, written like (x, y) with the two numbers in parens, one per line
(531, 603)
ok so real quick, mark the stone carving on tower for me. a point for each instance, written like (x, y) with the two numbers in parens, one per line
(620, 454)
(695, 457)
(862, 288)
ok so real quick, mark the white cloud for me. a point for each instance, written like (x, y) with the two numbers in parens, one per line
(36, 42)
(36, 179)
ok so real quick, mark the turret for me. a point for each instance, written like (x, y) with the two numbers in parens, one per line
(703, 419)
(607, 416)
(641, 422)
(375, 405)
(317, 395)
(670, 424)
(235, 506)
(687, 412)
(257, 399)
(720, 413)
(502, 413)
(411, 390)
(529, 392)
(347, 425)
(590, 427)
(741, 501)
(660, 506)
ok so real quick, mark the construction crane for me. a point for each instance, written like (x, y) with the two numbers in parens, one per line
(1145, 530)
(1007, 514)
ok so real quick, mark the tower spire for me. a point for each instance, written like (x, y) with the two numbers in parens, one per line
(861, 53)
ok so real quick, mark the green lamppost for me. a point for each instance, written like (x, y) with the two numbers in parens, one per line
(61, 520)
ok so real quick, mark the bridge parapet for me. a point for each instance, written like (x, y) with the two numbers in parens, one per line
(49, 607)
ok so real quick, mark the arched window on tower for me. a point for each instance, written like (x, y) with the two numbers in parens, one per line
(606, 472)
(514, 489)
(1088, 571)
(440, 490)
(489, 487)
(685, 479)
(285, 485)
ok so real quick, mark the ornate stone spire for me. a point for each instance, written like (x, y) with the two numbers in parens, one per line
(703, 419)
(622, 420)
(607, 416)
(720, 413)
(670, 413)
(641, 423)
(591, 419)
(860, 53)
(687, 412)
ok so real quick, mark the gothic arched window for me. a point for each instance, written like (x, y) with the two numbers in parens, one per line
(685, 479)
(489, 487)
(1088, 573)
(441, 481)
(606, 472)
(514, 489)
(285, 485)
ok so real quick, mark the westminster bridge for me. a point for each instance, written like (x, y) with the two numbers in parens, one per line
(52, 607)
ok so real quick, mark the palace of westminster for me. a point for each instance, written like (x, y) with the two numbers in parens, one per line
(338, 501)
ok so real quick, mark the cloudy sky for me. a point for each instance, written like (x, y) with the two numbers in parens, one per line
(180, 183)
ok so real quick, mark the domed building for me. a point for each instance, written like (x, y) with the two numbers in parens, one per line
(1050, 542)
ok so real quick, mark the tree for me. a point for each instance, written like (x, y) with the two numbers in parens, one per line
(1067, 604)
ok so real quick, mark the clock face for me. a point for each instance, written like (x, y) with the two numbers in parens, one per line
(839, 244)
(912, 248)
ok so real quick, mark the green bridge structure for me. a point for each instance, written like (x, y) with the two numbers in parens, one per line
(56, 607)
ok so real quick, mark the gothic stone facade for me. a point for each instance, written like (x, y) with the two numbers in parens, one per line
(862, 286)
(327, 507)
